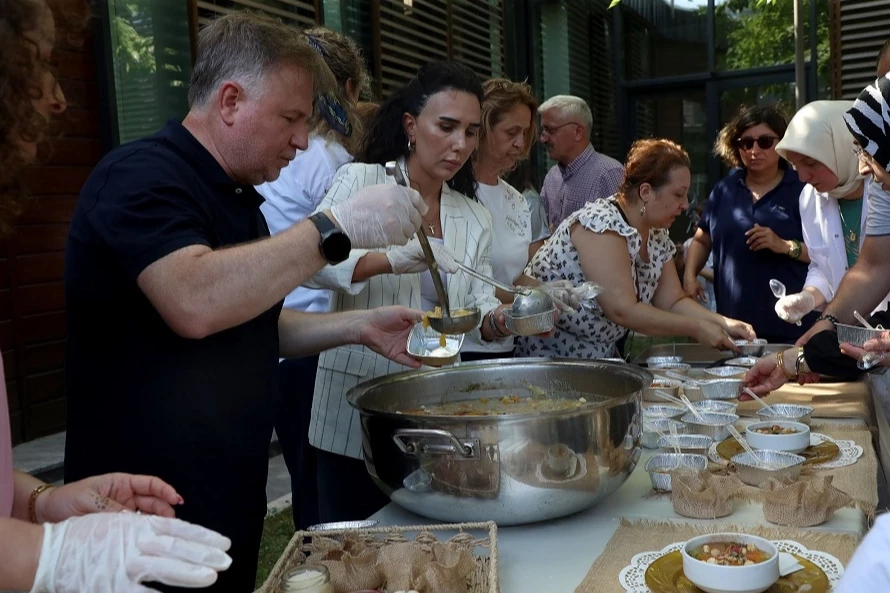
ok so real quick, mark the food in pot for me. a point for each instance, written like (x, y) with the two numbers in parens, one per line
(776, 429)
(730, 554)
(499, 406)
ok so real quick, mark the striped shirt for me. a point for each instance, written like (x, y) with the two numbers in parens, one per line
(587, 178)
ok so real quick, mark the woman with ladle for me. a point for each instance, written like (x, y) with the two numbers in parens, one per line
(622, 243)
(430, 127)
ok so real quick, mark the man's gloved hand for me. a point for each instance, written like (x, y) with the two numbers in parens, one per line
(410, 259)
(380, 216)
(115, 552)
(793, 307)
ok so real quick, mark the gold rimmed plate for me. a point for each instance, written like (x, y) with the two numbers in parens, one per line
(816, 454)
(665, 575)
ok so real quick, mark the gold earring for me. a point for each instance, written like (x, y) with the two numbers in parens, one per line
(643, 209)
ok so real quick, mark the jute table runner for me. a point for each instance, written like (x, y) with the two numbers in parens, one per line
(831, 400)
(636, 537)
(859, 480)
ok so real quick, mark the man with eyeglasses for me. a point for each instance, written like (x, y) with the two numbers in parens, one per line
(581, 174)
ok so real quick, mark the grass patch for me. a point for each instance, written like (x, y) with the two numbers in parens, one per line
(278, 529)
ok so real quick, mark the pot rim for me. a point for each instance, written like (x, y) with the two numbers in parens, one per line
(632, 371)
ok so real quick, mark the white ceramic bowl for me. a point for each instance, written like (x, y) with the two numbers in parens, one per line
(713, 578)
(791, 443)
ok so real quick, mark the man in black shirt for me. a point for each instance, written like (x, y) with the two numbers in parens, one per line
(174, 288)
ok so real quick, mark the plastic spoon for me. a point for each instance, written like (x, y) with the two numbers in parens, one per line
(677, 376)
(745, 445)
(762, 403)
(684, 401)
(778, 291)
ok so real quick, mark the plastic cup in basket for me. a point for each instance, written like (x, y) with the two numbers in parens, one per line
(788, 412)
(651, 428)
(666, 411)
(779, 465)
(855, 334)
(668, 386)
(779, 435)
(724, 372)
(715, 563)
(686, 443)
(721, 388)
(712, 424)
(681, 368)
(716, 405)
(751, 347)
(529, 325)
(425, 344)
(659, 467)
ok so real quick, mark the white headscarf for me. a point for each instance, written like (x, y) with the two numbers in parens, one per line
(819, 131)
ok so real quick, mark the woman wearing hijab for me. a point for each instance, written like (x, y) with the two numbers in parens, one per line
(869, 123)
(833, 203)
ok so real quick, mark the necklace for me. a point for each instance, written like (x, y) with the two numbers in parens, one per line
(852, 235)
(432, 225)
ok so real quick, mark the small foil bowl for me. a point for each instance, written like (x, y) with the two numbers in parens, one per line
(725, 372)
(422, 341)
(751, 347)
(659, 467)
(779, 465)
(650, 436)
(529, 325)
(697, 444)
(715, 405)
(742, 361)
(654, 360)
(681, 368)
(721, 388)
(669, 386)
(787, 412)
(666, 411)
(855, 334)
(713, 424)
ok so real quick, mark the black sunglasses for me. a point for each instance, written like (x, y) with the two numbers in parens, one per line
(764, 142)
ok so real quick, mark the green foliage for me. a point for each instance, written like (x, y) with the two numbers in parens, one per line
(133, 52)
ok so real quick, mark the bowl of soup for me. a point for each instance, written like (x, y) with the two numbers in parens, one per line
(778, 435)
(731, 563)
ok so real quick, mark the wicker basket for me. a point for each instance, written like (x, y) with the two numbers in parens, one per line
(484, 579)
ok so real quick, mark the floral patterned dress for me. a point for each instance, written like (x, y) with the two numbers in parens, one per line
(591, 334)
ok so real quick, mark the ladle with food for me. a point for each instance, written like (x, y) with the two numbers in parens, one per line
(464, 320)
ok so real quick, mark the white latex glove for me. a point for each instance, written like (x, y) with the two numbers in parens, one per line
(380, 216)
(793, 307)
(410, 259)
(114, 552)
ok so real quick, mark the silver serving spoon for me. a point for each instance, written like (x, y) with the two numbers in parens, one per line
(778, 291)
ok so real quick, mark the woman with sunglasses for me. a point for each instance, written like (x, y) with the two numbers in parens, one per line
(752, 225)
(833, 204)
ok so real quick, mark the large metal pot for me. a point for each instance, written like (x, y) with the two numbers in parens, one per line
(511, 469)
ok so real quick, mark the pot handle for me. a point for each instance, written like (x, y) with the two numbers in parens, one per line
(412, 442)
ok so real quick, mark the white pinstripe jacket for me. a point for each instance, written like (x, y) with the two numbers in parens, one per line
(466, 227)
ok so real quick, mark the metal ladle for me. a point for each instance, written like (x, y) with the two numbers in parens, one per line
(528, 301)
(447, 324)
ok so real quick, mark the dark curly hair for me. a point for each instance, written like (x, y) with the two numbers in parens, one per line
(20, 86)
(386, 139)
(726, 145)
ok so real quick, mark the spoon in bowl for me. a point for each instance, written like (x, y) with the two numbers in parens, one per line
(683, 401)
(744, 443)
(762, 403)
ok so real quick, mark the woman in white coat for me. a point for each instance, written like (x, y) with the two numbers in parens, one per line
(430, 128)
(833, 204)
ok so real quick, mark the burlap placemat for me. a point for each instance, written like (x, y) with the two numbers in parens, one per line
(831, 400)
(859, 480)
(636, 537)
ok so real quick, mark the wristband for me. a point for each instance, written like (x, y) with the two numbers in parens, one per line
(831, 318)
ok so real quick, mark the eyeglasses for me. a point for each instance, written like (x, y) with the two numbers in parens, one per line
(550, 131)
(861, 154)
(764, 142)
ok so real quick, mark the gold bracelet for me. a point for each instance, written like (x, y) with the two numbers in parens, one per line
(32, 501)
(780, 358)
